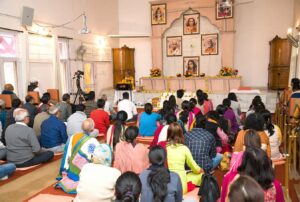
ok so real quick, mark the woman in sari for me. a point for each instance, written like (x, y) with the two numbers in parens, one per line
(129, 155)
(78, 152)
(186, 115)
(115, 133)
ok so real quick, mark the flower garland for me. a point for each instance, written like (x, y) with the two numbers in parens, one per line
(228, 71)
(155, 72)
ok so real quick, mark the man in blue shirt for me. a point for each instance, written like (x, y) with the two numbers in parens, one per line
(53, 132)
(202, 145)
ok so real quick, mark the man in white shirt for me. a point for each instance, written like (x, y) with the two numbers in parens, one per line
(128, 106)
(75, 120)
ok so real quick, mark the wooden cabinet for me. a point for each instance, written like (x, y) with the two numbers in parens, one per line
(279, 66)
(123, 62)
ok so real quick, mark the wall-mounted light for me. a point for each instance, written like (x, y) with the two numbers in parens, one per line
(294, 40)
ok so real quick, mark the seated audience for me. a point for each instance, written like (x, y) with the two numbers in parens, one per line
(45, 102)
(195, 109)
(179, 100)
(9, 90)
(229, 115)
(274, 134)
(128, 188)
(39, 119)
(128, 106)
(204, 105)
(10, 119)
(31, 108)
(212, 126)
(148, 121)
(100, 117)
(255, 122)
(256, 106)
(178, 155)
(257, 165)
(202, 145)
(53, 132)
(208, 102)
(115, 133)
(223, 131)
(186, 116)
(23, 148)
(173, 105)
(129, 155)
(251, 140)
(98, 179)
(90, 103)
(235, 106)
(245, 189)
(164, 111)
(3, 113)
(6, 170)
(108, 107)
(161, 133)
(75, 120)
(78, 152)
(64, 107)
(158, 183)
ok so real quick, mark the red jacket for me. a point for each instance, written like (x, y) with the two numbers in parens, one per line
(101, 119)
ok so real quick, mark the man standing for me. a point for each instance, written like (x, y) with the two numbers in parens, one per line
(23, 148)
(29, 105)
(128, 106)
(53, 132)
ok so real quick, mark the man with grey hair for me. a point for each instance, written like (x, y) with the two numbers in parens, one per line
(23, 148)
(53, 132)
(39, 119)
(79, 148)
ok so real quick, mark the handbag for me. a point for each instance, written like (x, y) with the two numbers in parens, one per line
(209, 189)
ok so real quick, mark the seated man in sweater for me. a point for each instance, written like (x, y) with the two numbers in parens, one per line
(53, 132)
(23, 148)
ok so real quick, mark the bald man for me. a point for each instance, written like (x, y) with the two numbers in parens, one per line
(79, 148)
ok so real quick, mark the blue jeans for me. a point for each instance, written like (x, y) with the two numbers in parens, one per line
(216, 161)
(7, 169)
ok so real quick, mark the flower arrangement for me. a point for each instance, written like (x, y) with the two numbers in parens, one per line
(155, 72)
(228, 71)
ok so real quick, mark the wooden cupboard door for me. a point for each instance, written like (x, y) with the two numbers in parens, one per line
(278, 77)
(280, 52)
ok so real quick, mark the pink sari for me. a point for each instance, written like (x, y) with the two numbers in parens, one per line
(129, 158)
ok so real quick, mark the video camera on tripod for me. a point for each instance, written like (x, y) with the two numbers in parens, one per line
(78, 75)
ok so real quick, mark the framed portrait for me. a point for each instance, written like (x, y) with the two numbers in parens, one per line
(209, 44)
(191, 24)
(158, 14)
(174, 46)
(224, 11)
(191, 65)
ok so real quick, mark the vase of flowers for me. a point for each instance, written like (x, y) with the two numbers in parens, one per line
(228, 71)
(155, 72)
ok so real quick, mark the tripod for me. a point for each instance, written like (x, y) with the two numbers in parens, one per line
(79, 92)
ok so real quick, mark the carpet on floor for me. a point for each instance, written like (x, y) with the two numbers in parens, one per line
(24, 171)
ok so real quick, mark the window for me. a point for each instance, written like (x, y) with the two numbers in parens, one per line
(8, 46)
(10, 73)
(40, 48)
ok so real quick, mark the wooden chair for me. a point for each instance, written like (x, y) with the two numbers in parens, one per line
(36, 97)
(54, 94)
(7, 99)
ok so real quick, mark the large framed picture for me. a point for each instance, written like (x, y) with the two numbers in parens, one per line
(209, 44)
(191, 65)
(158, 14)
(191, 24)
(174, 46)
(224, 10)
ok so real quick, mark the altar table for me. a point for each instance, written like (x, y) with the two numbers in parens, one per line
(208, 84)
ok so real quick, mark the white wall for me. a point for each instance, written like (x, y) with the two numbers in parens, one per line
(134, 19)
(102, 19)
(256, 24)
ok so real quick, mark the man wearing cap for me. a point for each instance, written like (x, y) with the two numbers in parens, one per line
(34, 86)
(53, 132)
(23, 147)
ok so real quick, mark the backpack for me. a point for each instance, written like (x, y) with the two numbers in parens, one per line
(209, 188)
